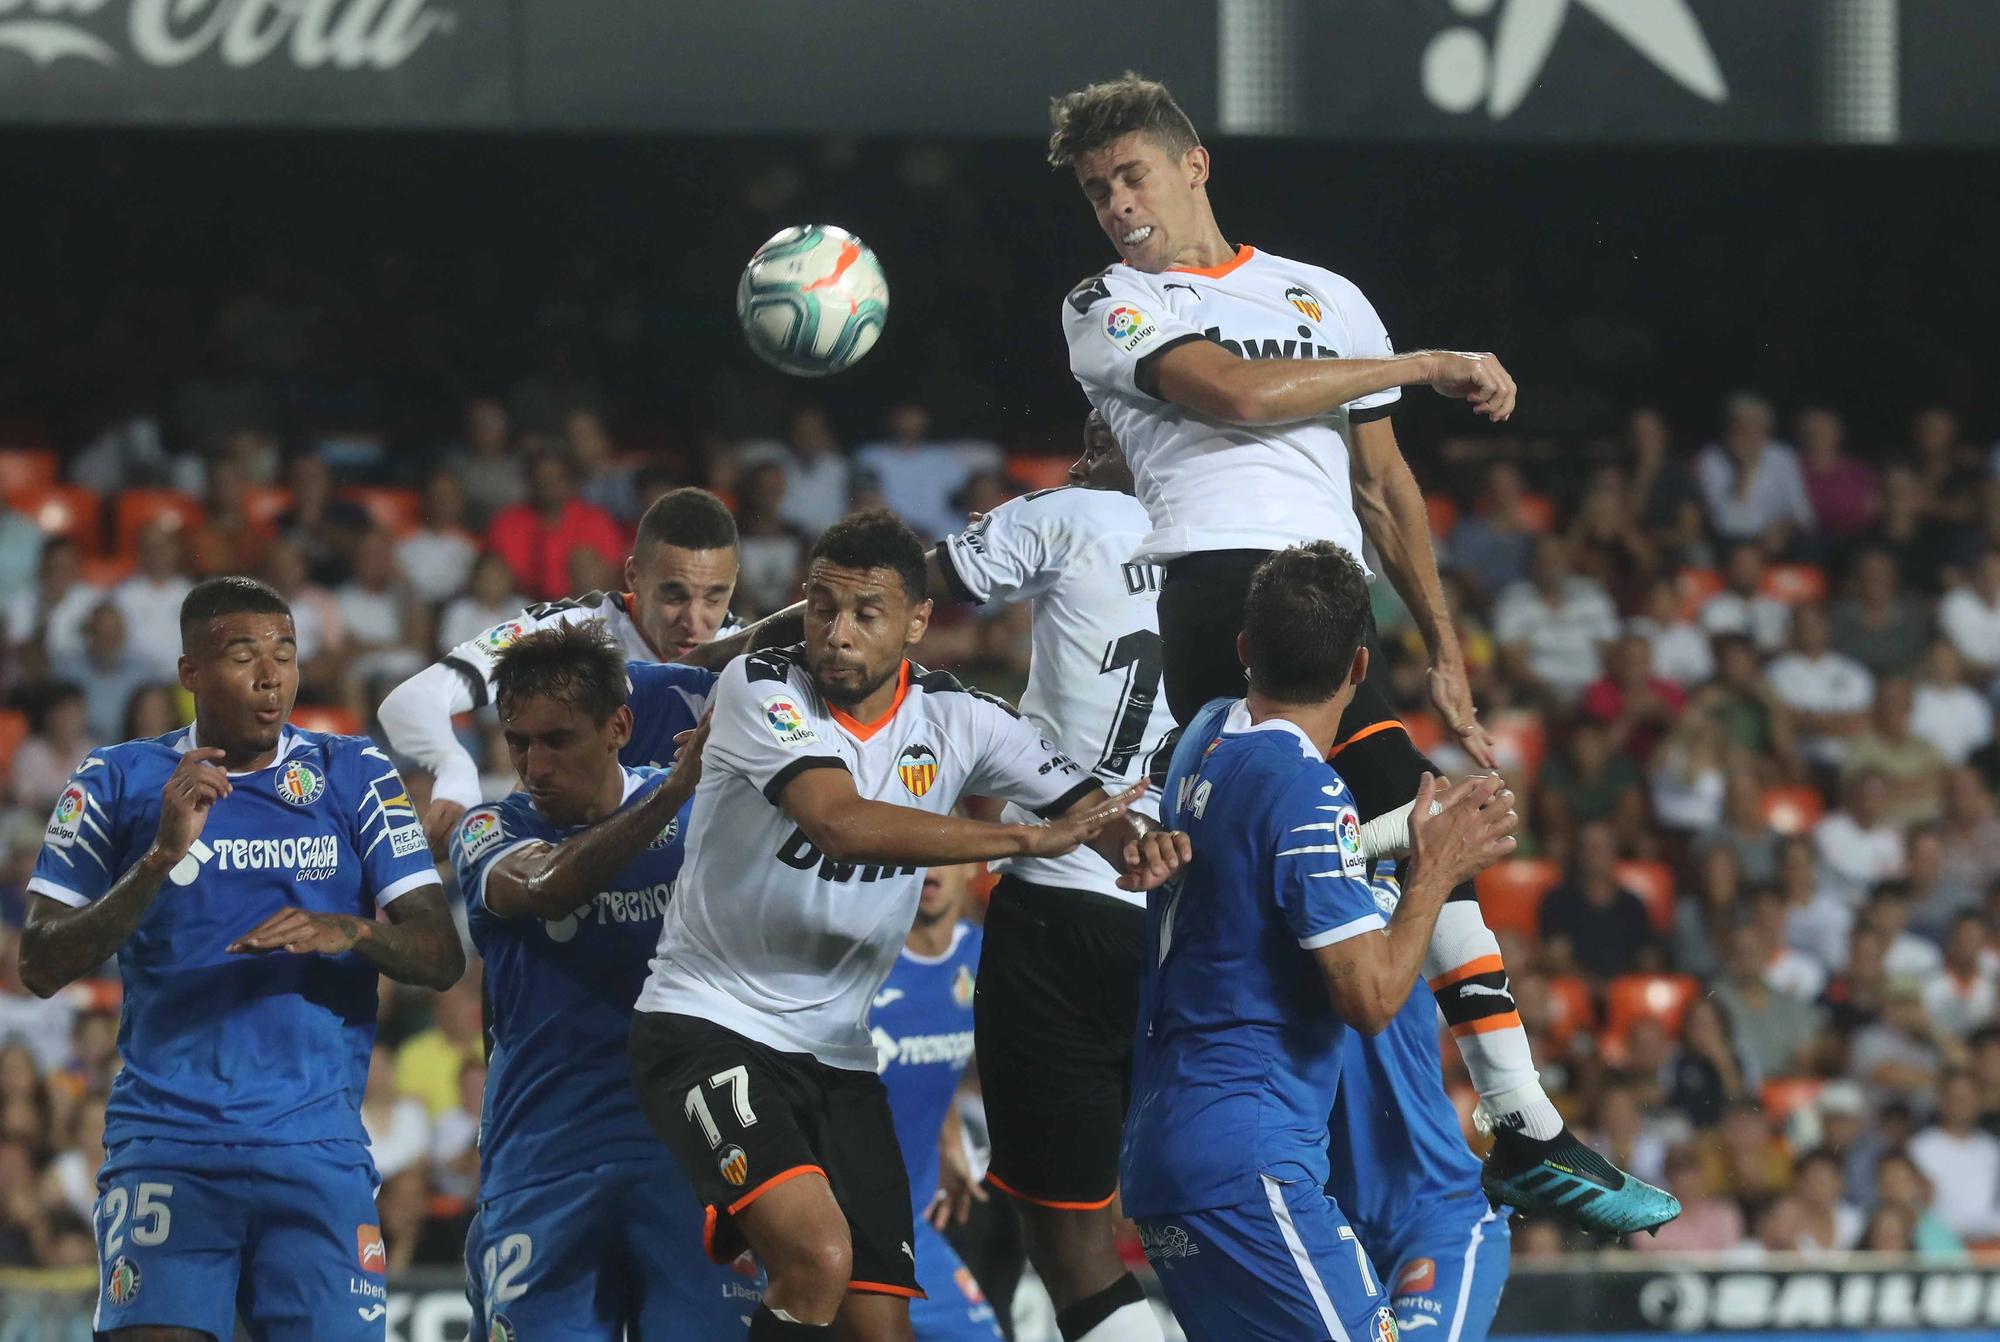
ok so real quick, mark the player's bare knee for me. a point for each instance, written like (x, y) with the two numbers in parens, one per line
(808, 1276)
(1075, 1253)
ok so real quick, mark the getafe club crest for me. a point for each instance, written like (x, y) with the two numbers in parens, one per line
(300, 783)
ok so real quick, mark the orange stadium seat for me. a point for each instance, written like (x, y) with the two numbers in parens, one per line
(13, 731)
(1520, 739)
(63, 510)
(396, 511)
(1040, 472)
(1697, 586)
(1443, 512)
(326, 718)
(1538, 513)
(1791, 808)
(1510, 893)
(263, 505)
(106, 570)
(136, 509)
(26, 468)
(1784, 1096)
(1795, 584)
(1571, 1007)
(1426, 732)
(1636, 997)
(1652, 882)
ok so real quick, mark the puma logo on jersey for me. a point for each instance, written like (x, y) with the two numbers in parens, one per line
(1274, 349)
(1481, 990)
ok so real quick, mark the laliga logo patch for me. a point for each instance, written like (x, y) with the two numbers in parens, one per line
(1305, 300)
(962, 986)
(1350, 833)
(1383, 1327)
(787, 721)
(1128, 328)
(122, 1287)
(733, 1165)
(918, 769)
(479, 831)
(502, 636)
(368, 1248)
(67, 817)
(300, 783)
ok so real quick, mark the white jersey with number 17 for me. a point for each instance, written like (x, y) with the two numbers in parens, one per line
(1094, 672)
(1208, 485)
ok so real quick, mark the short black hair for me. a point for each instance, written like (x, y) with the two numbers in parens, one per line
(874, 538)
(232, 594)
(577, 664)
(689, 519)
(1306, 614)
(1093, 117)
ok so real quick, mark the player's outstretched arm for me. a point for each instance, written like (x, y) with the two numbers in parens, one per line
(548, 881)
(60, 944)
(1369, 977)
(416, 717)
(779, 629)
(418, 944)
(1391, 509)
(1208, 379)
(848, 827)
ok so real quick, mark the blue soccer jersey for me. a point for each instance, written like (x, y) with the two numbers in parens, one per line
(1239, 1049)
(922, 1025)
(559, 1001)
(666, 700)
(243, 1049)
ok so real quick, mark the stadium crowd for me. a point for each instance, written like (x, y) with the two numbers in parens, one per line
(1743, 675)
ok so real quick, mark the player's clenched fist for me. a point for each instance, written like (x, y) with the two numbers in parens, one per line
(1472, 829)
(1070, 832)
(195, 785)
(1477, 379)
(1153, 857)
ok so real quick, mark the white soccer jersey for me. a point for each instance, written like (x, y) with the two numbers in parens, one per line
(1094, 673)
(767, 936)
(473, 659)
(1208, 485)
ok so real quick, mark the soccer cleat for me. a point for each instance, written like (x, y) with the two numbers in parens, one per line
(1566, 1179)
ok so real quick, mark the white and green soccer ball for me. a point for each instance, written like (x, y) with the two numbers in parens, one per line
(812, 300)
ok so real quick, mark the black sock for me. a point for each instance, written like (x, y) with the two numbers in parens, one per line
(766, 1326)
(1092, 1310)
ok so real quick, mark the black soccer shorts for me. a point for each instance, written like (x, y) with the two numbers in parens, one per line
(742, 1118)
(1053, 1013)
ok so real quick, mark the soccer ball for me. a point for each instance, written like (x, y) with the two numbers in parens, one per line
(812, 300)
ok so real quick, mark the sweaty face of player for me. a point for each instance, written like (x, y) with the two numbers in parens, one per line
(680, 597)
(858, 625)
(1148, 199)
(243, 671)
(567, 760)
(1103, 464)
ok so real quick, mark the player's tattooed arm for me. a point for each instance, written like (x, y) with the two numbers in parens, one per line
(418, 944)
(60, 944)
(541, 880)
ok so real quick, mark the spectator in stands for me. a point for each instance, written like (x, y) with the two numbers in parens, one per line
(52, 613)
(1961, 1161)
(1902, 1186)
(1706, 1070)
(387, 633)
(1828, 692)
(327, 530)
(1747, 1159)
(1859, 844)
(20, 549)
(1970, 618)
(1490, 546)
(1742, 607)
(1587, 782)
(436, 559)
(315, 612)
(1788, 970)
(70, 1182)
(1858, 995)
(1841, 1119)
(1906, 957)
(1664, 494)
(485, 461)
(1751, 484)
(1971, 834)
(1638, 707)
(1591, 922)
(1707, 1223)
(536, 536)
(1606, 541)
(1947, 467)
(489, 599)
(917, 475)
(1775, 1034)
(454, 1153)
(1817, 920)
(428, 1063)
(1551, 625)
(1984, 1046)
(771, 550)
(150, 600)
(1912, 766)
(1777, 1227)
(1621, 1132)
(601, 479)
(399, 1139)
(1755, 846)
(109, 668)
(816, 473)
(1947, 711)
(58, 739)
(1934, 901)
(1964, 997)
(1881, 625)
(1689, 775)
(229, 539)
(1898, 1057)
(153, 710)
(1845, 493)
(1920, 547)
(1755, 720)
(1681, 650)
(1705, 913)
(40, 1025)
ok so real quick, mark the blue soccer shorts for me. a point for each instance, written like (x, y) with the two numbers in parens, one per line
(952, 1308)
(1445, 1270)
(609, 1252)
(1284, 1267)
(187, 1232)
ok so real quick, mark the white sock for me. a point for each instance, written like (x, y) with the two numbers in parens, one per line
(1525, 1109)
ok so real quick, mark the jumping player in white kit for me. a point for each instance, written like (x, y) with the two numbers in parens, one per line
(1251, 395)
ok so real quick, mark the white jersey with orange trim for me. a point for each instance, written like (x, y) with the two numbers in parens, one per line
(1095, 665)
(766, 935)
(1209, 485)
